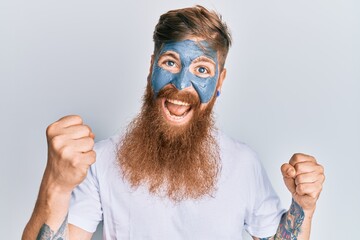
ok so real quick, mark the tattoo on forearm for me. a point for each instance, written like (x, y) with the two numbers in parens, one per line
(290, 224)
(46, 233)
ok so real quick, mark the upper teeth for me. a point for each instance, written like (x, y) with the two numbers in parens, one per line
(177, 102)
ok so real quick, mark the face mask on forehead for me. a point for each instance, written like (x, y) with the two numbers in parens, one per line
(188, 51)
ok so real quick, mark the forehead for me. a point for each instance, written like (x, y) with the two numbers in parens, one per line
(190, 49)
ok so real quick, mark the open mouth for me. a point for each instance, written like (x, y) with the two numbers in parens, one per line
(177, 111)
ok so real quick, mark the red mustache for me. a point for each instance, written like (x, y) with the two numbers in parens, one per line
(184, 96)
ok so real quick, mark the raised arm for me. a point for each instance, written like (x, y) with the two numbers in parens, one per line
(70, 154)
(304, 178)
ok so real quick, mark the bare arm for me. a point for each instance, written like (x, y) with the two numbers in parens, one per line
(304, 178)
(50, 214)
(294, 224)
(70, 155)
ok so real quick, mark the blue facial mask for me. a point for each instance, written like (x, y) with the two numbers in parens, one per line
(188, 51)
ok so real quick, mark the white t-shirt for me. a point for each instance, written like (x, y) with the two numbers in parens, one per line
(244, 199)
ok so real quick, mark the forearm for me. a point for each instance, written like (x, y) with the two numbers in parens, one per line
(70, 154)
(50, 214)
(295, 224)
(304, 178)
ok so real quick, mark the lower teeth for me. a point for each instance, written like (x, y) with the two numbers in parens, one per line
(182, 115)
(177, 116)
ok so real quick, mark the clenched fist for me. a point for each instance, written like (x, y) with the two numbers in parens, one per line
(70, 152)
(304, 178)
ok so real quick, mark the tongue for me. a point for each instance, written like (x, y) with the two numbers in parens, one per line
(175, 109)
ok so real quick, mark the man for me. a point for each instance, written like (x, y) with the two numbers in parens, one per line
(172, 175)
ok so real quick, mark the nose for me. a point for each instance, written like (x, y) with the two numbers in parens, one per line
(182, 80)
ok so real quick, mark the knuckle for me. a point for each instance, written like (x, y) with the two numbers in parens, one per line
(91, 153)
(314, 195)
(320, 179)
(76, 118)
(75, 161)
(300, 188)
(87, 130)
(321, 168)
(298, 167)
(87, 142)
(317, 190)
(50, 129)
(297, 182)
(91, 142)
(57, 142)
(294, 157)
(64, 152)
(73, 164)
(312, 158)
(299, 156)
(299, 179)
(89, 139)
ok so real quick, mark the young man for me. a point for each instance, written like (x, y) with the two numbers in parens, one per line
(172, 175)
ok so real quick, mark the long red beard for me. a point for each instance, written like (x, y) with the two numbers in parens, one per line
(177, 162)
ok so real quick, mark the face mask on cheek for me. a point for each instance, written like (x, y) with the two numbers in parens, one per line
(188, 51)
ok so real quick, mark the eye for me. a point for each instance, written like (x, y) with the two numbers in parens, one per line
(170, 63)
(202, 70)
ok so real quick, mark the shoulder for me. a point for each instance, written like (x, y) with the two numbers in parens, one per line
(107, 146)
(234, 149)
(106, 153)
(239, 158)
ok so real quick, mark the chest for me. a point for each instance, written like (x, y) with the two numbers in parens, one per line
(135, 214)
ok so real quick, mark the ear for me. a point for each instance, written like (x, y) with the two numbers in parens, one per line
(151, 67)
(151, 61)
(221, 80)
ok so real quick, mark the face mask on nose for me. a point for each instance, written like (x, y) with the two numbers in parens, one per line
(188, 51)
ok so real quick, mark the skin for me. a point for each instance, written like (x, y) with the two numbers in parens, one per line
(70, 154)
(304, 178)
(184, 64)
(45, 232)
(205, 67)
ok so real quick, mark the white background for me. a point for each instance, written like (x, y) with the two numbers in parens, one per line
(293, 85)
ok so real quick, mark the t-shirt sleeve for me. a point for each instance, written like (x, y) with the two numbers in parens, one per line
(85, 206)
(263, 219)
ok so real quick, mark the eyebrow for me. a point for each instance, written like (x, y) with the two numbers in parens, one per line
(203, 59)
(171, 54)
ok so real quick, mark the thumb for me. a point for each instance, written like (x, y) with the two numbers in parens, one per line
(289, 174)
(92, 135)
